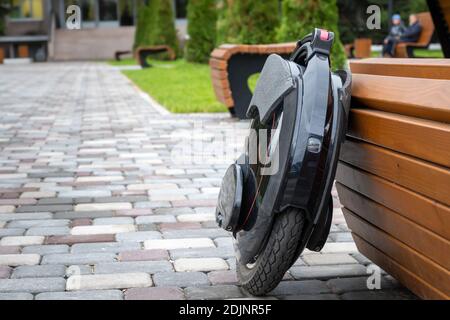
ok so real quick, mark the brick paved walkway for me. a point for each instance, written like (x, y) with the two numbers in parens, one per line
(97, 203)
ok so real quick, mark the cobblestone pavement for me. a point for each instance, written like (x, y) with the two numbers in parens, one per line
(97, 203)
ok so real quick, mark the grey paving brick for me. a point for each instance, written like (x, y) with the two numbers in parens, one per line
(81, 258)
(105, 247)
(11, 232)
(82, 295)
(113, 220)
(44, 208)
(48, 231)
(327, 272)
(213, 293)
(25, 216)
(195, 233)
(220, 252)
(355, 284)
(38, 223)
(16, 296)
(46, 249)
(140, 236)
(379, 295)
(325, 296)
(39, 271)
(300, 287)
(32, 285)
(180, 279)
(133, 266)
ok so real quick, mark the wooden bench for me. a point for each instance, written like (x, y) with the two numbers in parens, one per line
(359, 49)
(118, 54)
(406, 49)
(232, 65)
(142, 53)
(2, 55)
(393, 177)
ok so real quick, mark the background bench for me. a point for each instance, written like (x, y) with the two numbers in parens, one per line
(406, 49)
(393, 178)
(232, 65)
(142, 53)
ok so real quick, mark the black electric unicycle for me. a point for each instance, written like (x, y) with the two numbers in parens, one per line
(276, 199)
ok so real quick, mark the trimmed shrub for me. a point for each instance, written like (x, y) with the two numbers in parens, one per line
(301, 16)
(202, 17)
(156, 25)
(248, 21)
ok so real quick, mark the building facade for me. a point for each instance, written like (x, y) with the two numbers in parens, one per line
(107, 26)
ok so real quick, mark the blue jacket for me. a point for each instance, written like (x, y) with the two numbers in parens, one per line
(412, 33)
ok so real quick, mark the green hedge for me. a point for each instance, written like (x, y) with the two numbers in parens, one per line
(156, 25)
(248, 21)
(202, 17)
(299, 17)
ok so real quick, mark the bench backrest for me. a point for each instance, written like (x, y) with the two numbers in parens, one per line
(427, 28)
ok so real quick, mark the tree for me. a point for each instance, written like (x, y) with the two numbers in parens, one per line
(202, 18)
(4, 9)
(248, 21)
(155, 24)
(299, 17)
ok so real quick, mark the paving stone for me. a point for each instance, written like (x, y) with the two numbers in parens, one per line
(19, 259)
(81, 258)
(143, 255)
(48, 231)
(5, 272)
(38, 194)
(25, 216)
(113, 221)
(105, 247)
(84, 193)
(211, 252)
(134, 266)
(138, 236)
(180, 279)
(155, 219)
(40, 271)
(169, 244)
(99, 179)
(43, 208)
(361, 259)
(328, 259)
(327, 272)
(341, 237)
(195, 233)
(9, 249)
(213, 293)
(80, 239)
(83, 214)
(300, 287)
(339, 247)
(378, 295)
(200, 264)
(7, 209)
(223, 277)
(16, 296)
(81, 222)
(179, 226)
(38, 223)
(32, 285)
(355, 284)
(103, 229)
(224, 242)
(11, 232)
(79, 270)
(103, 206)
(196, 217)
(82, 295)
(108, 281)
(155, 293)
(46, 249)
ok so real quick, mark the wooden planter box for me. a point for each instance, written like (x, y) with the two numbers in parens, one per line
(393, 178)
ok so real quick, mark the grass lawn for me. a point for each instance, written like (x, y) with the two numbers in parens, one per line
(123, 62)
(421, 53)
(180, 86)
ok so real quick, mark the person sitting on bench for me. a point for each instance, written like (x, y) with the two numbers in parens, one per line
(411, 34)
(396, 31)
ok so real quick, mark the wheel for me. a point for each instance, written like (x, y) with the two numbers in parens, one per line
(268, 269)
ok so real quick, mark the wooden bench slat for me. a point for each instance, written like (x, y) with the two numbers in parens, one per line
(422, 266)
(422, 98)
(402, 273)
(424, 211)
(430, 244)
(401, 67)
(422, 177)
(424, 139)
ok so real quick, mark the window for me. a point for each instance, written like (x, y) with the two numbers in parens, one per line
(107, 10)
(27, 9)
(126, 12)
(181, 9)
